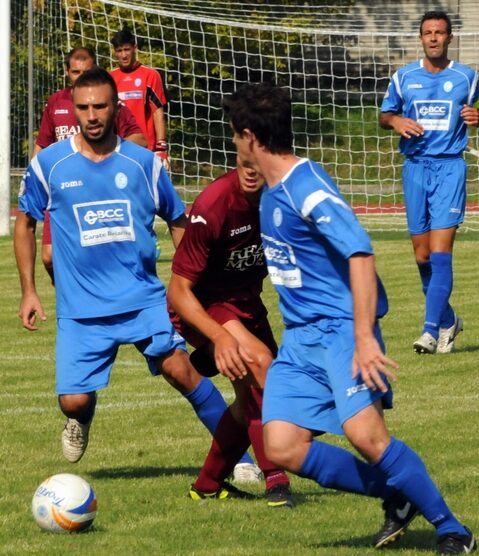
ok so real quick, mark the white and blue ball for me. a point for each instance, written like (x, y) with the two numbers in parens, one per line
(64, 503)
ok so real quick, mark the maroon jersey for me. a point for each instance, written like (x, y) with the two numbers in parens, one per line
(221, 251)
(59, 121)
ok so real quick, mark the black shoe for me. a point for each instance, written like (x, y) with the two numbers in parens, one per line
(452, 543)
(399, 513)
(226, 491)
(279, 496)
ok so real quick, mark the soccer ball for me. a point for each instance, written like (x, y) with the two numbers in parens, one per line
(64, 503)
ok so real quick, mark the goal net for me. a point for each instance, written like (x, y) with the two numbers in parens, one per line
(336, 73)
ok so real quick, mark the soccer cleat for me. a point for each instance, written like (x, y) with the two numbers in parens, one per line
(226, 492)
(74, 440)
(398, 515)
(247, 473)
(279, 496)
(445, 342)
(453, 543)
(425, 344)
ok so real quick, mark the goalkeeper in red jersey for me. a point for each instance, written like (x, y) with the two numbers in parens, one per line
(141, 89)
(215, 290)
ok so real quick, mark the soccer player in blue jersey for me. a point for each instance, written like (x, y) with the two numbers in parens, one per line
(103, 194)
(331, 373)
(429, 103)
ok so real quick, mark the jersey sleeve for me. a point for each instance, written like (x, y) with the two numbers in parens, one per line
(155, 91)
(33, 194)
(46, 133)
(392, 101)
(201, 233)
(125, 122)
(335, 220)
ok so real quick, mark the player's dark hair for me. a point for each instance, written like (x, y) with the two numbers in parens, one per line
(265, 109)
(125, 36)
(436, 15)
(81, 53)
(97, 76)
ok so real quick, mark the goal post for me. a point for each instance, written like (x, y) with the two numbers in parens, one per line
(336, 74)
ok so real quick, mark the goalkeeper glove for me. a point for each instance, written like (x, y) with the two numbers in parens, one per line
(161, 150)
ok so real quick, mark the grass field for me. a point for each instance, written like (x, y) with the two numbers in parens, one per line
(146, 445)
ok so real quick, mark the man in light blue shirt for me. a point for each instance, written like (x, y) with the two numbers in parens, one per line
(331, 373)
(429, 103)
(103, 194)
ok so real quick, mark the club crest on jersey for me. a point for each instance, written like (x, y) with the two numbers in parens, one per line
(104, 222)
(121, 180)
(448, 85)
(433, 115)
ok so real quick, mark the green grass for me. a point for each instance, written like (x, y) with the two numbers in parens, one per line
(146, 445)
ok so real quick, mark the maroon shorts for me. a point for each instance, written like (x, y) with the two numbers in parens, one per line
(251, 313)
(47, 231)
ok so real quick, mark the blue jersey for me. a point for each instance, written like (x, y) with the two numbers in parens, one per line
(309, 232)
(102, 218)
(435, 101)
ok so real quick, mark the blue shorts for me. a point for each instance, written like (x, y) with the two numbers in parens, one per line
(310, 383)
(87, 348)
(434, 193)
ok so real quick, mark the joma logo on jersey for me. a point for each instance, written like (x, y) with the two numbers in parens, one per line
(73, 183)
(355, 389)
(104, 215)
(241, 230)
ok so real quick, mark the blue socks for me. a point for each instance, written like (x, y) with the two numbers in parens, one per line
(407, 473)
(333, 467)
(437, 283)
(209, 405)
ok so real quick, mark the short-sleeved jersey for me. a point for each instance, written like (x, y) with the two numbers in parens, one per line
(221, 251)
(142, 91)
(434, 100)
(102, 217)
(59, 121)
(309, 233)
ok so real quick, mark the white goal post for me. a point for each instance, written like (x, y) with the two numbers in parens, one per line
(336, 74)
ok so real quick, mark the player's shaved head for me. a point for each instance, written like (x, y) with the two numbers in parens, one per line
(264, 109)
(81, 53)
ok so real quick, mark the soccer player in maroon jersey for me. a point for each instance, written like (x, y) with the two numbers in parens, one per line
(215, 290)
(59, 122)
(141, 89)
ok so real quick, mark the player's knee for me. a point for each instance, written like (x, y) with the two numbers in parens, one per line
(370, 447)
(179, 372)
(278, 451)
(78, 406)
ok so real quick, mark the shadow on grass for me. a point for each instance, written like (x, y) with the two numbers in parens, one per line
(143, 472)
(419, 541)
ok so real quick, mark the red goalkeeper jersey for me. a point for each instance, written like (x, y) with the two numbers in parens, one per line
(221, 249)
(142, 91)
(59, 121)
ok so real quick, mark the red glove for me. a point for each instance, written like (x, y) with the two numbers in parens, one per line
(161, 150)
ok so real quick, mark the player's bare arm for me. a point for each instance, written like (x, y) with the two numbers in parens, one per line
(229, 359)
(369, 359)
(177, 229)
(470, 115)
(406, 127)
(25, 252)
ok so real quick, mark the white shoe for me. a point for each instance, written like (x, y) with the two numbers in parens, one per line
(425, 344)
(74, 440)
(247, 473)
(445, 342)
